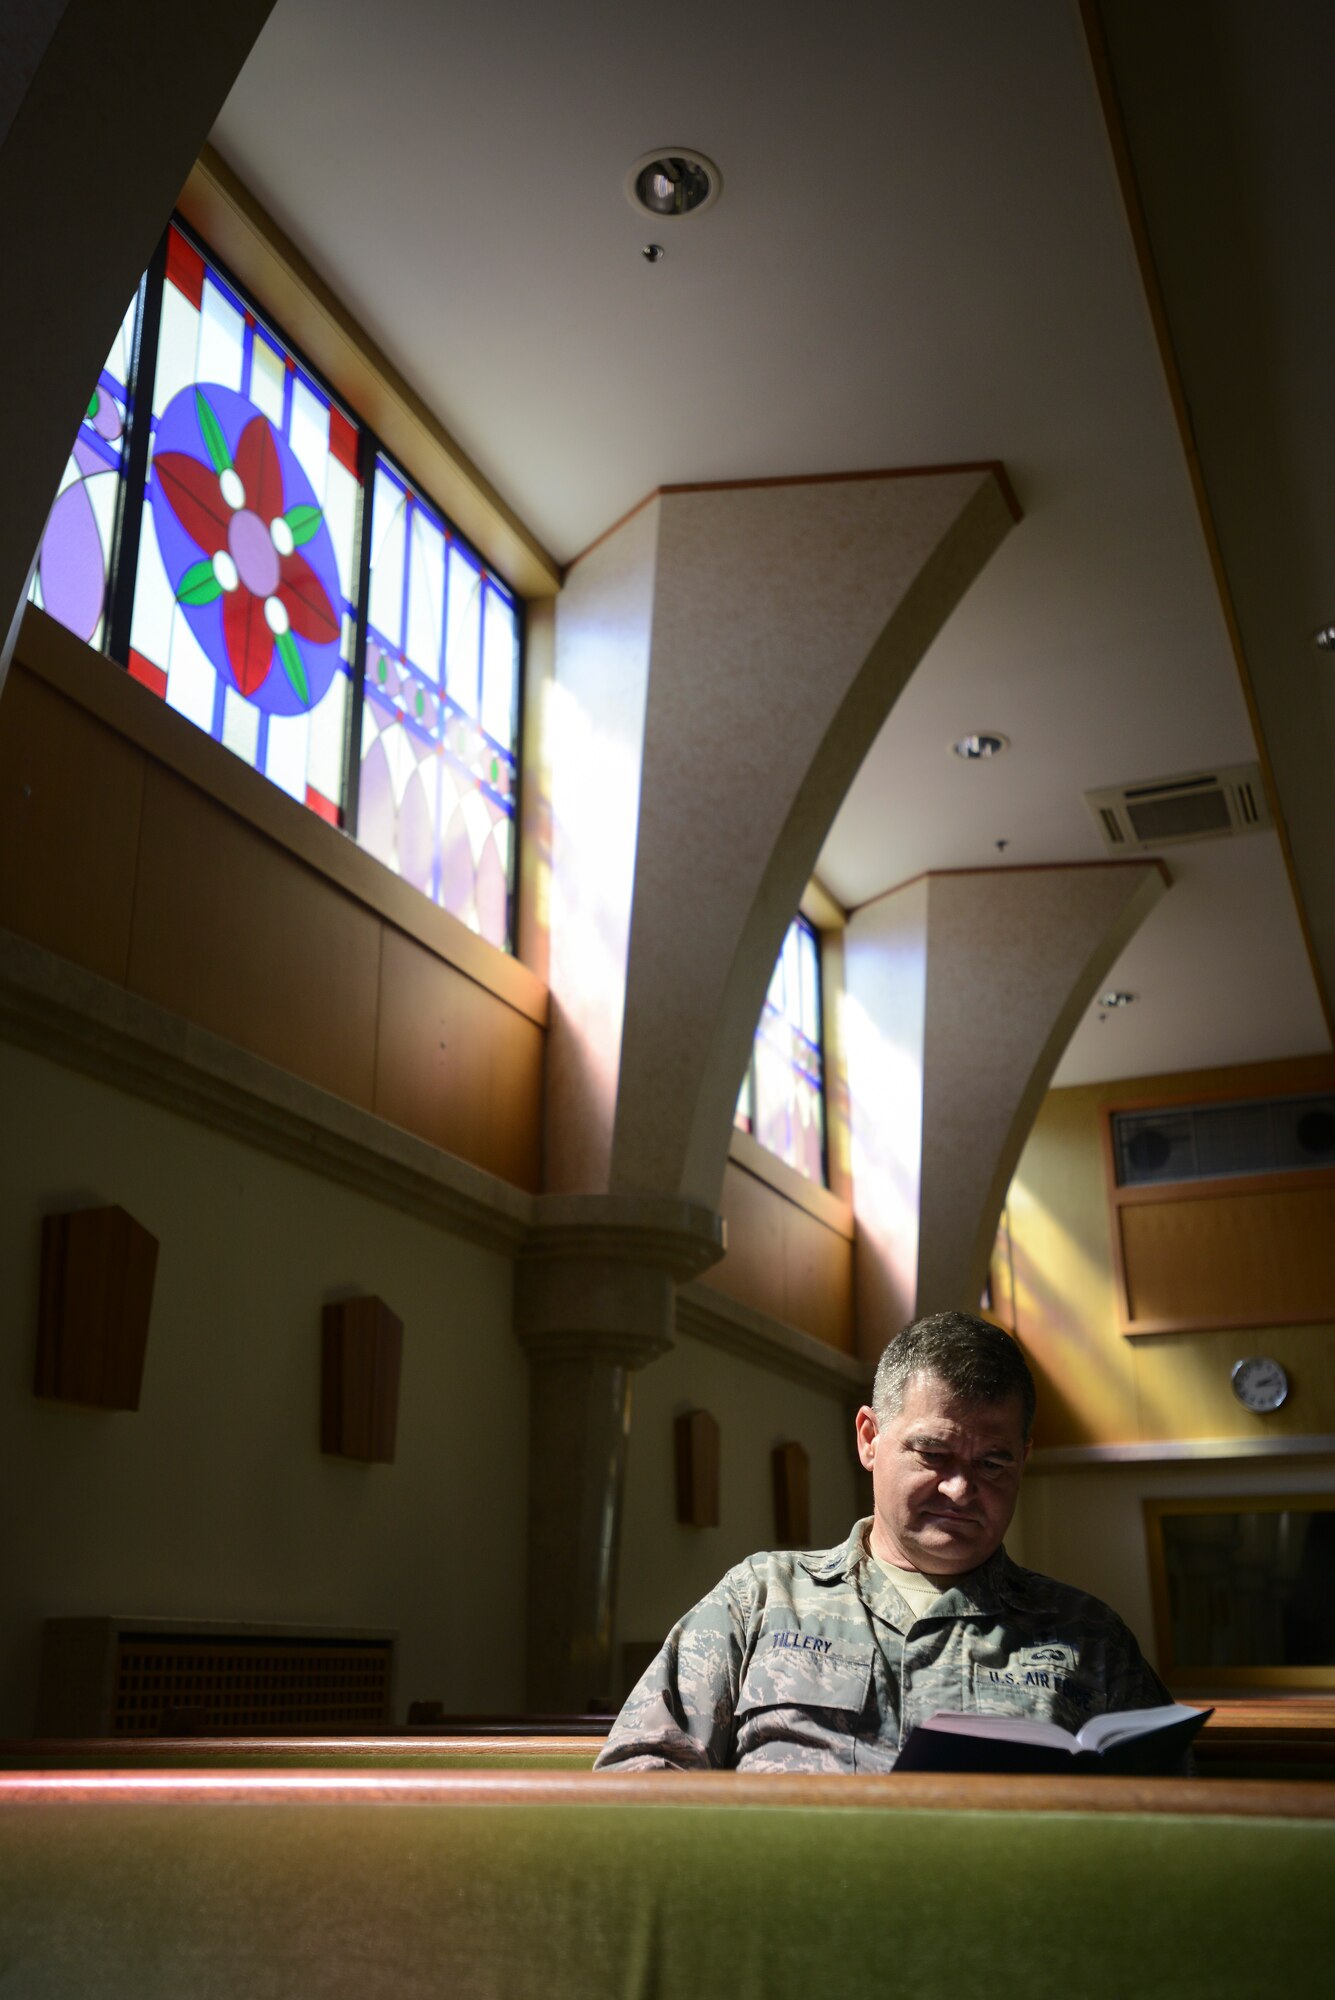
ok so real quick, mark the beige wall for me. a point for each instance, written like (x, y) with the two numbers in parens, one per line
(214, 1501)
(665, 1568)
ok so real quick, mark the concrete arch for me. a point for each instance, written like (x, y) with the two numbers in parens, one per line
(787, 619)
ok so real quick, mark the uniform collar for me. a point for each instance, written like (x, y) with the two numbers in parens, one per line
(994, 1584)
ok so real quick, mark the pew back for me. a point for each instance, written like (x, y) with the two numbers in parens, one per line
(390, 1883)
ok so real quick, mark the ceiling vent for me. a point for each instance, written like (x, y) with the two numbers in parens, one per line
(1202, 805)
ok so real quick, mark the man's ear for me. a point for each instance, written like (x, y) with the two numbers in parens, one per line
(866, 1430)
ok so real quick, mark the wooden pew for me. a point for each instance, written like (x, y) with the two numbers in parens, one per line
(395, 1869)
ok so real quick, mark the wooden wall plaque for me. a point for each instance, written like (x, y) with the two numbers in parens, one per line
(695, 1437)
(361, 1362)
(792, 1496)
(98, 1266)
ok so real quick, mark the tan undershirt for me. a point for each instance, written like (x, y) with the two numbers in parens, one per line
(918, 1590)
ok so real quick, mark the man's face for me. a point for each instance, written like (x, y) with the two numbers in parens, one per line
(945, 1475)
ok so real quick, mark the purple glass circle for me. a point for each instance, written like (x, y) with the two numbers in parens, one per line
(251, 548)
(179, 429)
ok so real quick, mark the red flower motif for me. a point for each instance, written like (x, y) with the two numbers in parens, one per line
(234, 513)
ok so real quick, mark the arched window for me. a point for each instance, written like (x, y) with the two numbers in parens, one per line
(233, 534)
(782, 1101)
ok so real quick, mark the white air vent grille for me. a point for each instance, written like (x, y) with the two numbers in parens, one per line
(1200, 805)
(1206, 1142)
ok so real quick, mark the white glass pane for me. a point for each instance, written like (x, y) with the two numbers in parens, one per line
(268, 373)
(241, 725)
(426, 590)
(191, 681)
(154, 602)
(309, 437)
(176, 347)
(499, 661)
(810, 1022)
(327, 757)
(462, 643)
(221, 338)
(289, 744)
(387, 527)
(340, 513)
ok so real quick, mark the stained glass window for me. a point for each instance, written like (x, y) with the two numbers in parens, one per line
(438, 724)
(215, 535)
(73, 576)
(782, 1101)
(245, 612)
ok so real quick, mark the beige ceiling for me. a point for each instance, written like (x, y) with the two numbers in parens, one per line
(921, 255)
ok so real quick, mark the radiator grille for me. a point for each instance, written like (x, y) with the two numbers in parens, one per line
(205, 1686)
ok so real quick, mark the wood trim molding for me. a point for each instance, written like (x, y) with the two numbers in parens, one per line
(711, 1316)
(216, 203)
(1016, 868)
(87, 1023)
(74, 1017)
(992, 465)
(1179, 1451)
(105, 691)
(1212, 1799)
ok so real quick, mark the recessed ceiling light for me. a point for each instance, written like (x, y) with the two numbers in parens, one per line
(1325, 638)
(987, 743)
(673, 181)
(1117, 999)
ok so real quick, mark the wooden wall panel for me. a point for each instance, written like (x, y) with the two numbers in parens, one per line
(456, 1065)
(232, 934)
(70, 797)
(785, 1262)
(166, 867)
(1260, 1257)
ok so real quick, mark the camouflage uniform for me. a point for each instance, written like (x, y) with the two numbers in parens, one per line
(812, 1661)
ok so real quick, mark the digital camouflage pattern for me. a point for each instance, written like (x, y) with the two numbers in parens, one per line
(812, 1661)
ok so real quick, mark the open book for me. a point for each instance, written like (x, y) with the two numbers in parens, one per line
(1135, 1742)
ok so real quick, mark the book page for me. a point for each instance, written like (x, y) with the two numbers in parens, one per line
(1101, 1730)
(1004, 1728)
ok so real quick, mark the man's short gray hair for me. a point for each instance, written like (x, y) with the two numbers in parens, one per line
(974, 1359)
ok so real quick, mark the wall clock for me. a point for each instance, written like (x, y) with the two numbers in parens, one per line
(1259, 1384)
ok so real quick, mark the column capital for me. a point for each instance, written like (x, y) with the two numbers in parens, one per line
(597, 1275)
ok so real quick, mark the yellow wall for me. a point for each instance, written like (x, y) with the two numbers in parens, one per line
(213, 1501)
(1085, 1523)
(1096, 1385)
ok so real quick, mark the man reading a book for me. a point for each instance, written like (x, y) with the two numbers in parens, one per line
(824, 1660)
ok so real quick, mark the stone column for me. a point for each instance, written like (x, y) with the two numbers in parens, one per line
(594, 1301)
